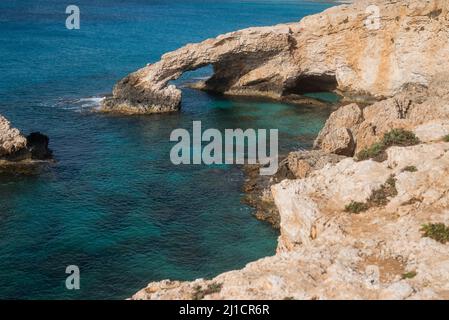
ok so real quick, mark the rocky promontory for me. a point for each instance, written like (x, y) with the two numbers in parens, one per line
(19, 153)
(366, 214)
(370, 48)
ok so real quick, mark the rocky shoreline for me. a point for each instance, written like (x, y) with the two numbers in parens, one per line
(365, 215)
(328, 248)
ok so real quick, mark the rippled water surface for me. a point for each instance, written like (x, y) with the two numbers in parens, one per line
(113, 204)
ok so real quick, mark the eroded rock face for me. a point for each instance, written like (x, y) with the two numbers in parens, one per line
(240, 60)
(417, 108)
(323, 52)
(302, 163)
(327, 253)
(11, 140)
(20, 154)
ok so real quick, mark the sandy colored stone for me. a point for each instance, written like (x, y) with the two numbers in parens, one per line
(423, 110)
(330, 50)
(303, 163)
(339, 141)
(11, 140)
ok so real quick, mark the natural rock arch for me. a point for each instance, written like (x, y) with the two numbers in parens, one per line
(326, 51)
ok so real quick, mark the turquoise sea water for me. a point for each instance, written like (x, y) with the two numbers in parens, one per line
(113, 204)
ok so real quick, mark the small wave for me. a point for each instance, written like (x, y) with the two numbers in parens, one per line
(79, 105)
(91, 103)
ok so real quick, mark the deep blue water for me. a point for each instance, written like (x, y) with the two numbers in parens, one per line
(113, 204)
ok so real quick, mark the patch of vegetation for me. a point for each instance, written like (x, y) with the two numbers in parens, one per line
(375, 151)
(289, 298)
(199, 293)
(409, 275)
(446, 138)
(396, 137)
(378, 198)
(410, 169)
(356, 207)
(400, 137)
(436, 231)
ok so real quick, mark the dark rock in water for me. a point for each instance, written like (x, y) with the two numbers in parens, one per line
(37, 145)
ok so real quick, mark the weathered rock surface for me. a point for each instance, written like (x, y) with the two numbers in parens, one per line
(324, 251)
(332, 50)
(298, 164)
(19, 153)
(11, 140)
(417, 108)
(302, 163)
(258, 194)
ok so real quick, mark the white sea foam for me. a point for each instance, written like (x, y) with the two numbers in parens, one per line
(90, 103)
(79, 105)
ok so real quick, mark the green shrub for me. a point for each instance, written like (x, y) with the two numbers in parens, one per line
(409, 275)
(446, 138)
(400, 137)
(410, 169)
(372, 152)
(395, 137)
(356, 207)
(380, 196)
(199, 293)
(436, 231)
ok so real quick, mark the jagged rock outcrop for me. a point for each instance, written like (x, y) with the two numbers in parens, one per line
(332, 50)
(414, 106)
(302, 163)
(11, 140)
(297, 164)
(19, 153)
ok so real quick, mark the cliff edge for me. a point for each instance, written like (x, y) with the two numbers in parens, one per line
(372, 223)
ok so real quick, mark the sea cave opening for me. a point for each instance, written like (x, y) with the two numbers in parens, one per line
(312, 86)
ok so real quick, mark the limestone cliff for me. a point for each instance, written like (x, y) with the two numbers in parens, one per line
(337, 49)
(351, 229)
(354, 229)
